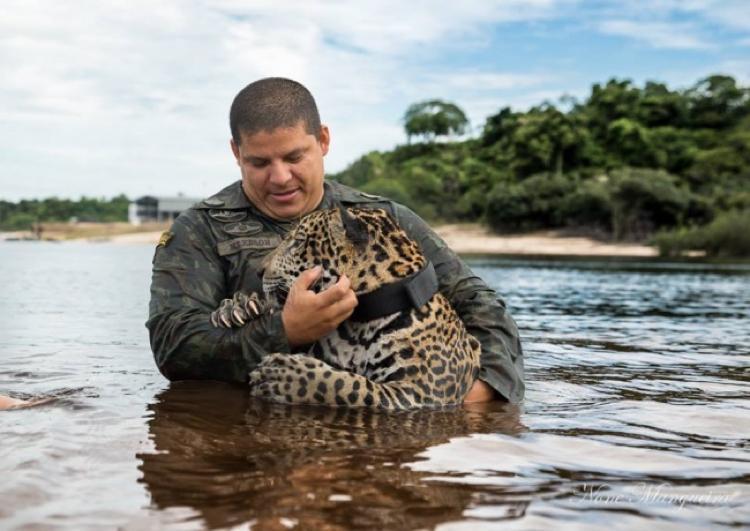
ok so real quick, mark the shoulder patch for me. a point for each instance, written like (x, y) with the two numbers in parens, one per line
(166, 236)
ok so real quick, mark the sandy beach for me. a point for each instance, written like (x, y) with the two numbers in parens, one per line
(475, 239)
(462, 238)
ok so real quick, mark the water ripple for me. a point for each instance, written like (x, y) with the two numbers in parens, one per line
(636, 416)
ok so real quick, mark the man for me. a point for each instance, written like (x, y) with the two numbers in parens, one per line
(214, 250)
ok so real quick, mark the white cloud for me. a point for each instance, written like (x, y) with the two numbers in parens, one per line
(663, 22)
(734, 14)
(737, 68)
(132, 96)
(101, 98)
(484, 81)
(656, 34)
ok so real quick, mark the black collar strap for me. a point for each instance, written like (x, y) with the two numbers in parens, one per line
(411, 292)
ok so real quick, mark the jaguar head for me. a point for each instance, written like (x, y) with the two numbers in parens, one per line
(366, 245)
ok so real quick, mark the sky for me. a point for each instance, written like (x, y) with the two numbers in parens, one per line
(99, 98)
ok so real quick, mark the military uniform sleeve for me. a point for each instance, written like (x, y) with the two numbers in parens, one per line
(478, 306)
(188, 283)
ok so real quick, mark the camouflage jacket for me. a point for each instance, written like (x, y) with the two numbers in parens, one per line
(213, 250)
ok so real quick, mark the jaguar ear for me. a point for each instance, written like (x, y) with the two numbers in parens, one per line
(356, 230)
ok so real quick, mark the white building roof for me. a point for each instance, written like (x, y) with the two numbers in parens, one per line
(169, 204)
(176, 204)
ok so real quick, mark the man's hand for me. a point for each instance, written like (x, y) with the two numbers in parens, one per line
(309, 316)
(479, 392)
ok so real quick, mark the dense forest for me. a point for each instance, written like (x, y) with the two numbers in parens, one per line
(628, 163)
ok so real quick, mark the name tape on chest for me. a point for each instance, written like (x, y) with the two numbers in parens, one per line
(254, 242)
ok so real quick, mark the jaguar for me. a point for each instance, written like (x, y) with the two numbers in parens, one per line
(412, 350)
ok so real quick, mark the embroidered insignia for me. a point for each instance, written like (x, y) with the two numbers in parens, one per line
(243, 228)
(166, 236)
(227, 216)
(236, 245)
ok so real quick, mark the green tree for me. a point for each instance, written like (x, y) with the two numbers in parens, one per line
(607, 103)
(434, 118)
(717, 102)
(499, 127)
(631, 143)
(365, 169)
(391, 189)
(659, 106)
(544, 139)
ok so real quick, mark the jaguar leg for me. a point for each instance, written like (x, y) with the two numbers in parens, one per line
(238, 310)
(301, 379)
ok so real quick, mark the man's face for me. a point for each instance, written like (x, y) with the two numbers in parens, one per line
(282, 170)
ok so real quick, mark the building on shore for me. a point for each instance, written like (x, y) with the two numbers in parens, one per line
(151, 209)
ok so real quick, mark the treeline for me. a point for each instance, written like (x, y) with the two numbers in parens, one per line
(27, 212)
(628, 162)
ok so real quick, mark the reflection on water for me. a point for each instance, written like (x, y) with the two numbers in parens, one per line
(636, 413)
(233, 459)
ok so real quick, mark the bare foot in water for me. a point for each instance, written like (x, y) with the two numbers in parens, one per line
(7, 402)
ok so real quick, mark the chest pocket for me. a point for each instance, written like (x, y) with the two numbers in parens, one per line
(242, 273)
(243, 257)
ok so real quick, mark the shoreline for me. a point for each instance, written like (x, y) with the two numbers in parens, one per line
(467, 238)
(476, 239)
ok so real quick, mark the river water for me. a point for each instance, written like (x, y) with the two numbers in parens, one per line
(636, 413)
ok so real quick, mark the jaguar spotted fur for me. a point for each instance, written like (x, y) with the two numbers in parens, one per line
(417, 357)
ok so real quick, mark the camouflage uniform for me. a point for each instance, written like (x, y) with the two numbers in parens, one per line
(213, 250)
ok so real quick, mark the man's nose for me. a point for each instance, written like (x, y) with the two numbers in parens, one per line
(280, 173)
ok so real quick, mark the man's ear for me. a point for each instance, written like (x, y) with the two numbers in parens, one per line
(356, 230)
(325, 139)
(235, 150)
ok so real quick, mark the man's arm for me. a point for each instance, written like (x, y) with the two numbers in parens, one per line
(188, 283)
(478, 307)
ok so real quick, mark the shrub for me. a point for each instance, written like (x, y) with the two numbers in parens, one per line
(644, 201)
(590, 205)
(529, 205)
(726, 236)
(19, 221)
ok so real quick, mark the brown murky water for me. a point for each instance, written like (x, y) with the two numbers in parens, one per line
(636, 413)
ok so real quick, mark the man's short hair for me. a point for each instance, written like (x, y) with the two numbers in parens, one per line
(271, 103)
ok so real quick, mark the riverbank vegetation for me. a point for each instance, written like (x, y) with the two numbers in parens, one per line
(27, 213)
(627, 163)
